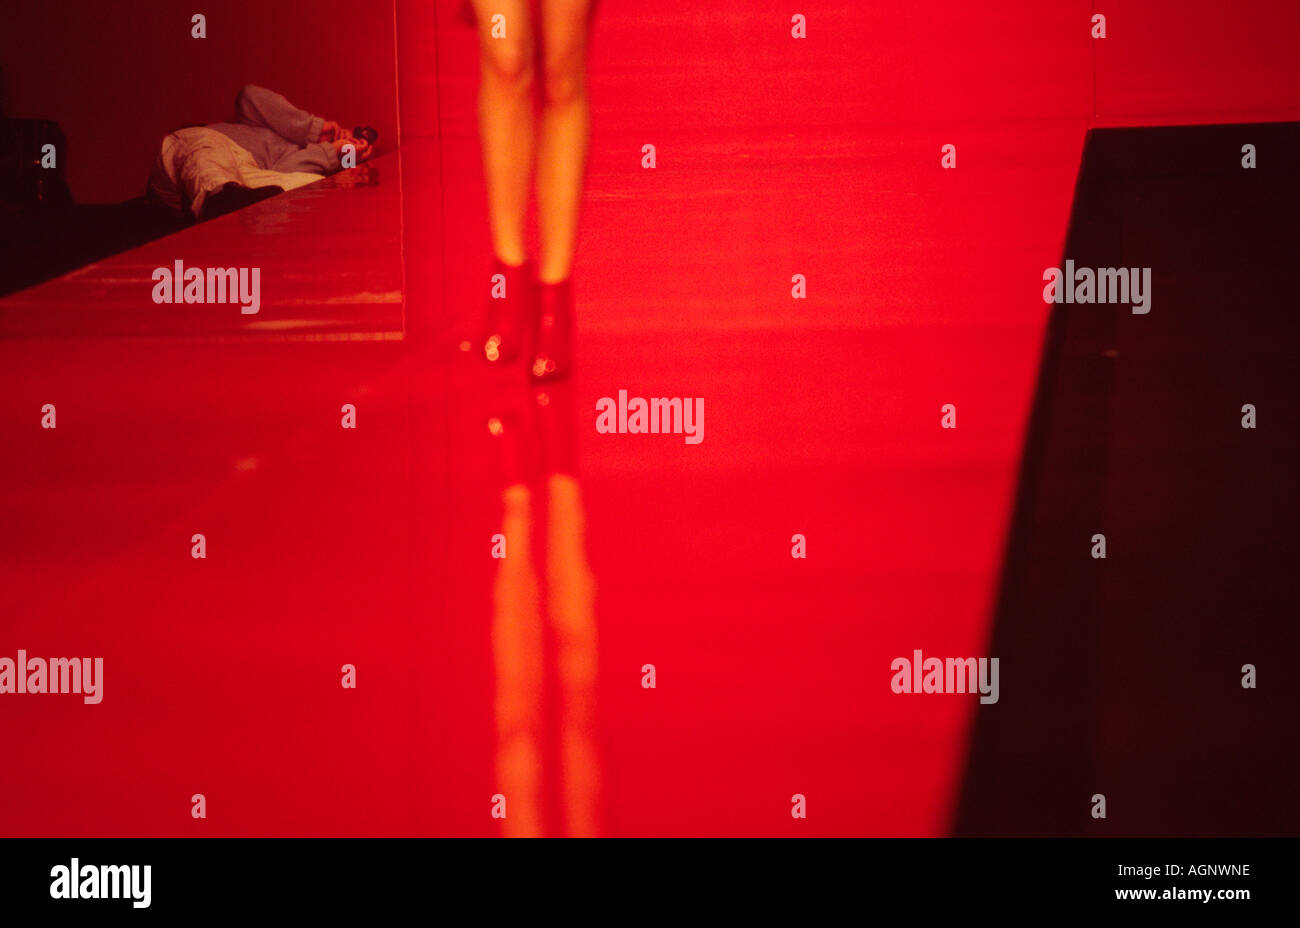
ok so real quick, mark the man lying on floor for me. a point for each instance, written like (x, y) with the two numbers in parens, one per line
(207, 171)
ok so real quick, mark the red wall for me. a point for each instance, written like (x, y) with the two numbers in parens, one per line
(118, 76)
(915, 61)
(1198, 61)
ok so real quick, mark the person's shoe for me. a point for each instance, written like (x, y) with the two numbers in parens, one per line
(235, 196)
(553, 345)
(507, 314)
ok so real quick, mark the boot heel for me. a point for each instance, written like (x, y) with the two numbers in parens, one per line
(553, 351)
(507, 315)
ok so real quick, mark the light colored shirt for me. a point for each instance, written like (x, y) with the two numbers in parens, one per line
(279, 136)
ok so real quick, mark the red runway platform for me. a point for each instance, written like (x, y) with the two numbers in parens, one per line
(372, 547)
(349, 222)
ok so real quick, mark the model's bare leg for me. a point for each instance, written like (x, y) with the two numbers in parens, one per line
(506, 121)
(562, 138)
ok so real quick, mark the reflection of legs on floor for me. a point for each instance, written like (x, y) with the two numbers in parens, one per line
(533, 430)
(570, 603)
(517, 652)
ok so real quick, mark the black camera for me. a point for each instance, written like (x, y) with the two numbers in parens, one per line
(366, 133)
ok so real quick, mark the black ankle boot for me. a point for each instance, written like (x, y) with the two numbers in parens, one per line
(553, 345)
(235, 196)
(507, 314)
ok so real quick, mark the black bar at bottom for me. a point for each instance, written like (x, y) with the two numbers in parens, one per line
(237, 876)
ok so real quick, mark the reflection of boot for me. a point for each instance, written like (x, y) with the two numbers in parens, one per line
(512, 428)
(507, 315)
(556, 426)
(553, 351)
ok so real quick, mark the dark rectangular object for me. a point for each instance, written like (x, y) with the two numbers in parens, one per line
(22, 149)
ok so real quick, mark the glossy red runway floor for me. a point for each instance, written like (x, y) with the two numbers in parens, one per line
(349, 223)
(523, 676)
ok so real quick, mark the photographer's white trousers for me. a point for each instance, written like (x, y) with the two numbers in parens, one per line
(195, 163)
